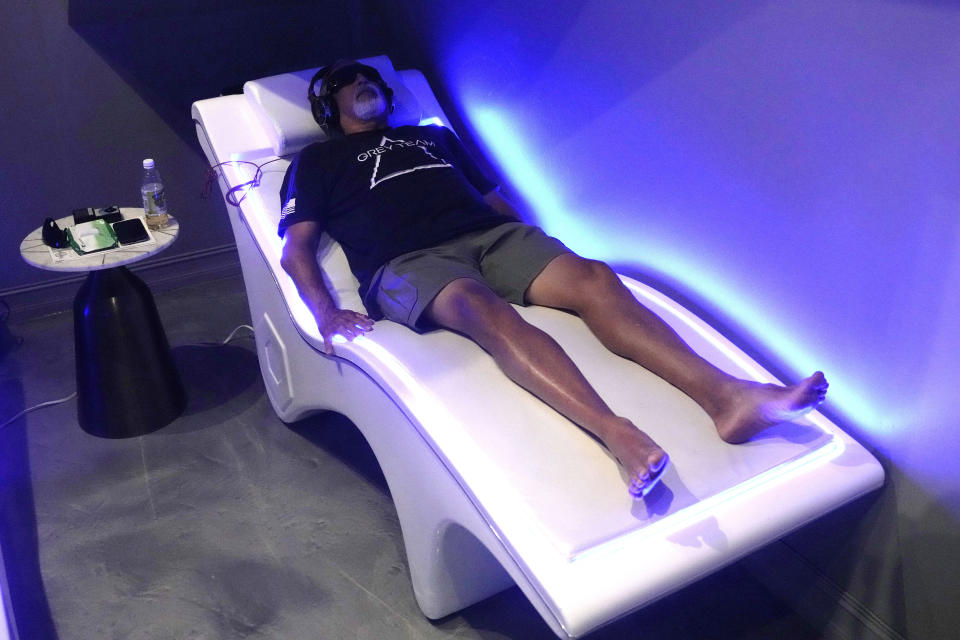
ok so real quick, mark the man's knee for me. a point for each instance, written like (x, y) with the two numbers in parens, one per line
(592, 280)
(469, 306)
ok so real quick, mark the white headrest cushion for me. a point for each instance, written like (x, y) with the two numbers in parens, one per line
(281, 106)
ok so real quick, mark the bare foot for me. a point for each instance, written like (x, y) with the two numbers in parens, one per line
(641, 457)
(752, 407)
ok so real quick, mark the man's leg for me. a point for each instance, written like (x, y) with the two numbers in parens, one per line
(536, 362)
(739, 409)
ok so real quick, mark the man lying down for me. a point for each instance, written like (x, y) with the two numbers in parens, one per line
(434, 244)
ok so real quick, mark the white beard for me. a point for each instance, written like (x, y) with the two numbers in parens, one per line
(369, 105)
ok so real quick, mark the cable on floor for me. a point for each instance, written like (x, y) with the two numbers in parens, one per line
(233, 333)
(73, 395)
(49, 403)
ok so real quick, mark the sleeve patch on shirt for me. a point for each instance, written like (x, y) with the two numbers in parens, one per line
(288, 208)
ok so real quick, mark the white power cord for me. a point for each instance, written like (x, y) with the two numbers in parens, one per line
(233, 333)
(73, 395)
(49, 403)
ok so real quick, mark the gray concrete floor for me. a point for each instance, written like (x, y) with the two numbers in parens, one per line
(228, 523)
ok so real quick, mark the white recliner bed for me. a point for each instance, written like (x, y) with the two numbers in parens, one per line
(491, 486)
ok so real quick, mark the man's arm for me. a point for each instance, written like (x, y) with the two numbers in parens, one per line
(299, 260)
(500, 204)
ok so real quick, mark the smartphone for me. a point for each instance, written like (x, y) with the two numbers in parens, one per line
(130, 231)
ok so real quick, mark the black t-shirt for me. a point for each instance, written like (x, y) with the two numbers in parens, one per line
(384, 193)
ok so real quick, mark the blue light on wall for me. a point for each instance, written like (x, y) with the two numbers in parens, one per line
(599, 236)
(791, 176)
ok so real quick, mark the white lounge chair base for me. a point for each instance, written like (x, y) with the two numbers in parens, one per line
(492, 487)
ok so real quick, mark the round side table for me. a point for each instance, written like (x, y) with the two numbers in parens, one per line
(127, 384)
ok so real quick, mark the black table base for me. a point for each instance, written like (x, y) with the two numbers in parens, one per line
(127, 384)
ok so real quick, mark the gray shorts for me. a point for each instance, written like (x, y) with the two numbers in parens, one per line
(506, 258)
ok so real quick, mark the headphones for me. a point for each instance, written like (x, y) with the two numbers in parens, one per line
(323, 105)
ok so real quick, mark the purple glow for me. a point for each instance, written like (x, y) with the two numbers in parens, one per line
(794, 169)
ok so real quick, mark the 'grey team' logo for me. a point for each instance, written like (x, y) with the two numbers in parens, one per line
(398, 157)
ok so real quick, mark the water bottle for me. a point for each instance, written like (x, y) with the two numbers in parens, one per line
(154, 199)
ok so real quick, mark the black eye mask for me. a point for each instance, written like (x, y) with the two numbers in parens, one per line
(344, 76)
(54, 236)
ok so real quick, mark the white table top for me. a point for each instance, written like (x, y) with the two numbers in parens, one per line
(36, 253)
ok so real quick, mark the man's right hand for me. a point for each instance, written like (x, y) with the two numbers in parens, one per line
(344, 322)
(299, 260)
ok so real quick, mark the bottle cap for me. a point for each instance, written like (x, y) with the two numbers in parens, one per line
(148, 163)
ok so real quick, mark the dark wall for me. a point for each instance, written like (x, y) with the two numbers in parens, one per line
(90, 88)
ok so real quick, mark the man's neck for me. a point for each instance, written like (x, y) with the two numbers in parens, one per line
(351, 125)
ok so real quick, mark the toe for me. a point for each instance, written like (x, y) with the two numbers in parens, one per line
(641, 485)
(658, 466)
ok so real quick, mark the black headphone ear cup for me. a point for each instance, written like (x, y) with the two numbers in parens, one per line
(388, 94)
(321, 110)
(319, 104)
